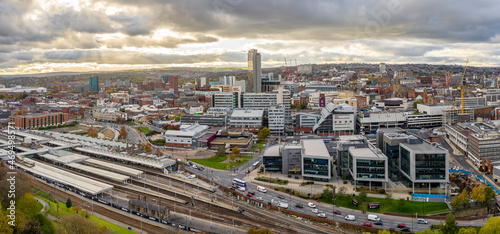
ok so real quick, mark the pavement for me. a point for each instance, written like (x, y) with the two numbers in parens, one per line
(46, 207)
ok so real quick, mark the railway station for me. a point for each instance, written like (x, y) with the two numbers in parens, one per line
(113, 167)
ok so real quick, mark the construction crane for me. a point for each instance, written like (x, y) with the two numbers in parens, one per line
(287, 71)
(462, 88)
(297, 70)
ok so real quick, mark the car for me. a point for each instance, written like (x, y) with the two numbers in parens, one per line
(315, 211)
(310, 204)
(249, 195)
(322, 215)
(201, 168)
(259, 198)
(350, 217)
(195, 167)
(242, 189)
(283, 205)
(192, 176)
(422, 221)
(405, 229)
(337, 212)
(281, 197)
(299, 205)
(401, 225)
(368, 224)
(253, 193)
(378, 223)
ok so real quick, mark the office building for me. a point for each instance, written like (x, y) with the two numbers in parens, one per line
(173, 84)
(227, 80)
(276, 119)
(310, 158)
(370, 122)
(94, 82)
(336, 120)
(368, 167)
(247, 119)
(38, 120)
(227, 100)
(382, 68)
(254, 71)
(303, 120)
(423, 164)
(453, 115)
(209, 120)
(343, 145)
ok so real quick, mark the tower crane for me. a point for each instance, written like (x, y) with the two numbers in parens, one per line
(287, 71)
(297, 71)
(462, 88)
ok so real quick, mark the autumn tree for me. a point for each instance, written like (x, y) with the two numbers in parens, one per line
(28, 205)
(4, 223)
(483, 194)
(78, 224)
(123, 132)
(32, 227)
(450, 225)
(91, 132)
(148, 148)
(264, 134)
(492, 226)
(383, 232)
(2, 96)
(460, 200)
(158, 153)
(468, 230)
(236, 150)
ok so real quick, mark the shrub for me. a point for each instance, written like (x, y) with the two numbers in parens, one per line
(382, 191)
(289, 176)
(345, 181)
(297, 177)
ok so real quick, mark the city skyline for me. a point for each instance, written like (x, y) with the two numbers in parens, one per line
(78, 36)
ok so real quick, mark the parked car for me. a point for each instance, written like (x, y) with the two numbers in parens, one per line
(310, 204)
(281, 197)
(379, 222)
(368, 224)
(401, 225)
(299, 205)
(337, 212)
(322, 215)
(350, 217)
(422, 221)
(315, 211)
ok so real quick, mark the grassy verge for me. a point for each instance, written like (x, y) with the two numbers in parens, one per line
(62, 211)
(144, 130)
(217, 162)
(131, 123)
(260, 146)
(409, 207)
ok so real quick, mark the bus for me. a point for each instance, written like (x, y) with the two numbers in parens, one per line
(255, 165)
(237, 183)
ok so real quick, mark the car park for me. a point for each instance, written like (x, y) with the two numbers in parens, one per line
(310, 204)
(368, 224)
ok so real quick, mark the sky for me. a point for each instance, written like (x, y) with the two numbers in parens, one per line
(38, 36)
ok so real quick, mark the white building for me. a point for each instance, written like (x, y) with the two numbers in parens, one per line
(186, 136)
(368, 166)
(246, 118)
(369, 122)
(337, 120)
(276, 117)
(227, 100)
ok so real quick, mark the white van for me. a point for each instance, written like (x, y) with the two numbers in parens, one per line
(283, 205)
(261, 189)
(373, 217)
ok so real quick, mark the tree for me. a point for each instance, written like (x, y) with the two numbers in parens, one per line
(428, 231)
(45, 224)
(32, 227)
(4, 223)
(342, 191)
(91, 132)
(450, 226)
(327, 194)
(460, 200)
(28, 205)
(69, 204)
(221, 151)
(362, 196)
(123, 132)
(388, 198)
(2, 96)
(383, 232)
(232, 157)
(236, 151)
(401, 203)
(259, 231)
(158, 153)
(264, 133)
(483, 194)
(148, 148)
(77, 224)
(492, 226)
(468, 230)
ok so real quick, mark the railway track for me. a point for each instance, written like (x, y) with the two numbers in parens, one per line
(204, 211)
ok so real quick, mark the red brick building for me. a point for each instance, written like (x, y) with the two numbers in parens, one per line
(38, 120)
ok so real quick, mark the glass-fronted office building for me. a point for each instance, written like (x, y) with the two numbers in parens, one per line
(368, 167)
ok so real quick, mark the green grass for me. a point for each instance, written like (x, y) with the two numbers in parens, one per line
(159, 142)
(410, 207)
(131, 123)
(65, 211)
(216, 163)
(144, 130)
(259, 146)
(40, 206)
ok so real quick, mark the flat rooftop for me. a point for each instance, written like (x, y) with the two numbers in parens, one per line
(273, 151)
(239, 140)
(365, 153)
(247, 113)
(315, 147)
(424, 148)
(351, 138)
